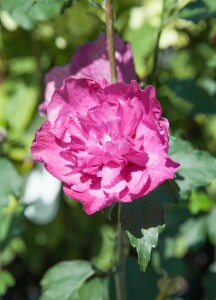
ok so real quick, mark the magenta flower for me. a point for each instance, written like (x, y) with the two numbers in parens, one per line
(105, 142)
(91, 61)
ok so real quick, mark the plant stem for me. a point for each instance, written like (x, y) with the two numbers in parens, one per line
(120, 261)
(157, 50)
(110, 38)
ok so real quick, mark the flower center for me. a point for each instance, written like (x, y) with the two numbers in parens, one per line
(107, 138)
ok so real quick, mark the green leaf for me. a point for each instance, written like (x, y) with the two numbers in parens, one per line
(175, 247)
(95, 289)
(141, 218)
(194, 231)
(191, 233)
(211, 225)
(62, 281)
(10, 181)
(6, 280)
(212, 62)
(104, 257)
(212, 267)
(144, 245)
(14, 248)
(198, 168)
(11, 218)
(148, 211)
(194, 92)
(209, 285)
(21, 106)
(145, 283)
(198, 10)
(27, 13)
(142, 48)
(199, 201)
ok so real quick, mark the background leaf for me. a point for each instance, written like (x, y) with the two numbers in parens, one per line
(198, 10)
(6, 280)
(192, 233)
(198, 168)
(21, 106)
(199, 201)
(95, 289)
(63, 280)
(27, 13)
(209, 285)
(145, 283)
(211, 225)
(200, 99)
(10, 181)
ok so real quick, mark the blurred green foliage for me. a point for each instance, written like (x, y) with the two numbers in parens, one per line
(36, 35)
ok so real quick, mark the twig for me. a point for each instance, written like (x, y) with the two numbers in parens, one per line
(157, 50)
(110, 38)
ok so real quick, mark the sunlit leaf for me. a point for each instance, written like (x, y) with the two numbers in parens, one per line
(144, 245)
(95, 289)
(199, 201)
(6, 280)
(62, 281)
(198, 168)
(142, 48)
(27, 13)
(20, 107)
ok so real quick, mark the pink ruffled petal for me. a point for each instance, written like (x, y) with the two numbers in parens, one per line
(47, 149)
(110, 173)
(53, 80)
(78, 95)
(107, 143)
(91, 204)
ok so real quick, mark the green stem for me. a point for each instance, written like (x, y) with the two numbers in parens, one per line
(110, 39)
(120, 261)
(157, 50)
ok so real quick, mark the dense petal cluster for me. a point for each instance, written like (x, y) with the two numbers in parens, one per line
(105, 142)
(91, 61)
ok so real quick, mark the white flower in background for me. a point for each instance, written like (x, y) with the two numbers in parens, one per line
(150, 12)
(41, 196)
